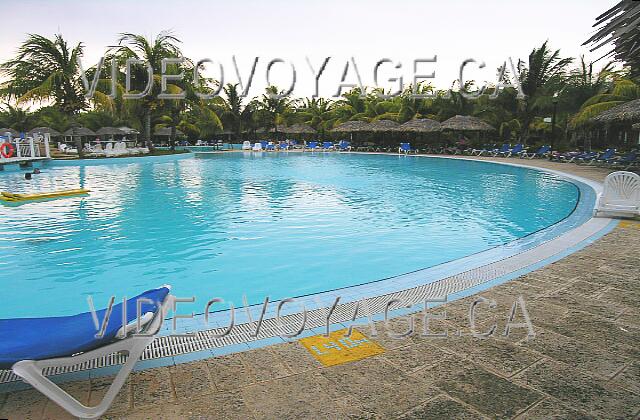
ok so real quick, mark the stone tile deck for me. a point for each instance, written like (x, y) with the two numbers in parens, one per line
(584, 361)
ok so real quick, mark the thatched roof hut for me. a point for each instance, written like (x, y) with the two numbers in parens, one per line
(351, 127)
(421, 125)
(110, 131)
(636, 126)
(129, 131)
(79, 131)
(466, 123)
(166, 132)
(14, 133)
(44, 130)
(383, 126)
(296, 129)
(628, 112)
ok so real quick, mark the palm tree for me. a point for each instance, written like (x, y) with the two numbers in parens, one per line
(152, 51)
(274, 108)
(540, 80)
(619, 26)
(318, 113)
(45, 70)
(17, 118)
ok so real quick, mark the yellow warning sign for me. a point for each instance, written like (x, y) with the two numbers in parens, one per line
(629, 224)
(337, 348)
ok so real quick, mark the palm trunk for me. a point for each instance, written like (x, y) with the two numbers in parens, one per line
(172, 138)
(147, 130)
(79, 147)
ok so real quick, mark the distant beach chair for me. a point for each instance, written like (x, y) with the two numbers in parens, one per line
(257, 147)
(515, 151)
(604, 156)
(284, 147)
(344, 146)
(620, 195)
(30, 346)
(327, 145)
(495, 152)
(404, 148)
(246, 145)
(540, 153)
(270, 146)
(312, 145)
(626, 161)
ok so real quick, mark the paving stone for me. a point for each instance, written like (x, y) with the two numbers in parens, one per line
(229, 372)
(225, 405)
(441, 407)
(150, 386)
(568, 298)
(594, 330)
(295, 357)
(415, 356)
(379, 387)
(264, 364)
(79, 390)
(27, 404)
(303, 396)
(586, 355)
(191, 379)
(580, 390)
(121, 403)
(552, 409)
(629, 378)
(490, 394)
(494, 354)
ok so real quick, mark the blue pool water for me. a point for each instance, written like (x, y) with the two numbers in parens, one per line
(256, 225)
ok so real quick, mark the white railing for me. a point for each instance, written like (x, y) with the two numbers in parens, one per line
(29, 148)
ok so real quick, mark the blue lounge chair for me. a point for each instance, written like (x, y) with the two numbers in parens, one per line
(283, 147)
(602, 157)
(515, 151)
(485, 149)
(344, 145)
(504, 149)
(264, 144)
(327, 145)
(31, 345)
(574, 157)
(404, 148)
(540, 153)
(627, 160)
(270, 146)
(313, 145)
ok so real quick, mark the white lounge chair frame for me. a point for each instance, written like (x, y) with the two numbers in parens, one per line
(620, 195)
(31, 371)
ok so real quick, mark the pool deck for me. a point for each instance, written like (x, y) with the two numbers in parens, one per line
(583, 362)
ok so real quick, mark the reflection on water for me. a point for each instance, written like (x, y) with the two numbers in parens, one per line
(260, 225)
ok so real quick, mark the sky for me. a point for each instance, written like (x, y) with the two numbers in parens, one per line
(401, 31)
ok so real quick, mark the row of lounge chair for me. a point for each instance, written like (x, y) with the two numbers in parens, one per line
(608, 158)
(326, 146)
(110, 150)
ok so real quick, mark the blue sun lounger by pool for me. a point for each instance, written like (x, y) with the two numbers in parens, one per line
(540, 153)
(327, 145)
(504, 149)
(404, 148)
(312, 145)
(31, 345)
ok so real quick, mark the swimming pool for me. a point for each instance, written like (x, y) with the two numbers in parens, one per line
(277, 225)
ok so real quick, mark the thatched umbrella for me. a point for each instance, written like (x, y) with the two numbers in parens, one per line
(383, 126)
(166, 132)
(351, 127)
(110, 131)
(79, 131)
(628, 112)
(44, 130)
(636, 126)
(421, 125)
(466, 123)
(14, 133)
(298, 129)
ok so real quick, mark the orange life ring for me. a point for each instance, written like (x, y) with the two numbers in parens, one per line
(7, 150)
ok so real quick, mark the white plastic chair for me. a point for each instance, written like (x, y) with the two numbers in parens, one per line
(620, 196)
(246, 145)
(257, 147)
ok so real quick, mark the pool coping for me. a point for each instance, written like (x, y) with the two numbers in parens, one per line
(468, 279)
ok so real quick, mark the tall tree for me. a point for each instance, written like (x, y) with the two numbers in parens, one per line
(45, 70)
(151, 51)
(620, 26)
(541, 78)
